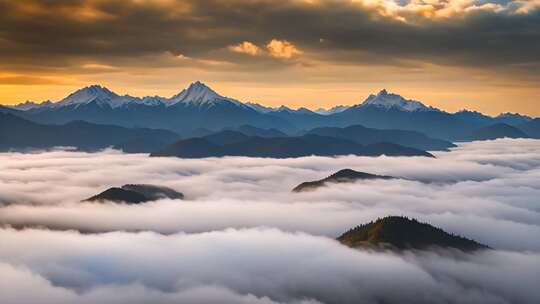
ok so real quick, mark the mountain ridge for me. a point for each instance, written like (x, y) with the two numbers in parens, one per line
(231, 143)
(199, 107)
(341, 176)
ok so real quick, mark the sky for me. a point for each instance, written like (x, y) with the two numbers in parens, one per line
(242, 236)
(452, 54)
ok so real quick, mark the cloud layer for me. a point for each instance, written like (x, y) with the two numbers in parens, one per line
(249, 266)
(484, 190)
(241, 236)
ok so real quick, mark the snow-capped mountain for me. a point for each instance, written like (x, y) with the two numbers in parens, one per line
(196, 107)
(199, 107)
(28, 105)
(97, 93)
(333, 110)
(199, 94)
(393, 101)
(105, 97)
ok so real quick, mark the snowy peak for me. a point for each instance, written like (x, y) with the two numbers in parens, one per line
(199, 94)
(29, 105)
(333, 110)
(87, 95)
(393, 101)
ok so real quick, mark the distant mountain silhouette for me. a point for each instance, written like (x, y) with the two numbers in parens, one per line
(145, 144)
(254, 131)
(366, 136)
(342, 176)
(136, 194)
(227, 143)
(198, 110)
(226, 137)
(396, 232)
(498, 130)
(197, 107)
(17, 133)
(435, 124)
(531, 128)
(513, 119)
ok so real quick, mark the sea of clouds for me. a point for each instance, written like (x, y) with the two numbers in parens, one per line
(242, 236)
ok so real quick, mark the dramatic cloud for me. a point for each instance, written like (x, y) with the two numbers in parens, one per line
(478, 54)
(474, 32)
(246, 47)
(282, 49)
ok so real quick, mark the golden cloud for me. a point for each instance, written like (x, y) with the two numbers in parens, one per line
(282, 49)
(246, 47)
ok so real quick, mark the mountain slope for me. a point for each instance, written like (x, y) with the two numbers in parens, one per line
(253, 131)
(18, 133)
(435, 124)
(403, 233)
(135, 194)
(230, 144)
(342, 176)
(365, 136)
(531, 128)
(499, 130)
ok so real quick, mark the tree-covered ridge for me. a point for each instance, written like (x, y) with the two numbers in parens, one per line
(398, 232)
(342, 176)
(136, 194)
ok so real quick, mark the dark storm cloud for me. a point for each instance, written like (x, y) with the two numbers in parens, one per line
(60, 33)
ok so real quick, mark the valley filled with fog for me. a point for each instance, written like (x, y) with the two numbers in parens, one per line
(240, 235)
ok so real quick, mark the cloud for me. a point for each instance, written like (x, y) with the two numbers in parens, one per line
(98, 66)
(282, 49)
(488, 34)
(484, 190)
(244, 266)
(241, 236)
(246, 47)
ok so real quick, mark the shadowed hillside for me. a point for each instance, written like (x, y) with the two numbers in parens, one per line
(231, 143)
(136, 194)
(342, 176)
(398, 232)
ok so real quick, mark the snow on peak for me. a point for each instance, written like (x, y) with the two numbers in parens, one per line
(88, 94)
(29, 105)
(199, 93)
(333, 110)
(393, 101)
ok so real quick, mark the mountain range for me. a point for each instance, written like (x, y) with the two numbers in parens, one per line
(232, 143)
(199, 108)
(19, 134)
(193, 123)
